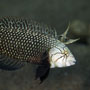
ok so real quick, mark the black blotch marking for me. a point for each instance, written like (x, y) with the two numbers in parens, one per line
(42, 71)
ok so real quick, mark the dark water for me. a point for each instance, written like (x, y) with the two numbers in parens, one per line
(56, 13)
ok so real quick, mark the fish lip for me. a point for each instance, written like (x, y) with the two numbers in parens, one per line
(73, 62)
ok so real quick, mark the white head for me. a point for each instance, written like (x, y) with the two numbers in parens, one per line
(60, 56)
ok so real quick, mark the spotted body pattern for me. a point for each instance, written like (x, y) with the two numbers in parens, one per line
(24, 40)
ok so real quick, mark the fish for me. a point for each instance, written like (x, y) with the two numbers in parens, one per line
(23, 40)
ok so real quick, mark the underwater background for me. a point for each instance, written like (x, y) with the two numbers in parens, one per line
(58, 14)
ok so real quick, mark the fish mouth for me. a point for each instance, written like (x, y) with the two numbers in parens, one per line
(71, 62)
(65, 63)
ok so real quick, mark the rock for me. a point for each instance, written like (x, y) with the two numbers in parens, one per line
(81, 30)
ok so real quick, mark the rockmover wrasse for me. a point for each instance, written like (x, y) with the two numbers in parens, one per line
(23, 40)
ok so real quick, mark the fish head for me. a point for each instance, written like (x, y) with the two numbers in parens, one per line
(60, 56)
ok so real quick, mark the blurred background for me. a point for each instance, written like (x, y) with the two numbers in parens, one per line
(58, 14)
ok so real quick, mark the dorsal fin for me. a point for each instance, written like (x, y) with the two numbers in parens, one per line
(9, 64)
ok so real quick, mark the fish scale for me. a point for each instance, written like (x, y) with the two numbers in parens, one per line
(24, 39)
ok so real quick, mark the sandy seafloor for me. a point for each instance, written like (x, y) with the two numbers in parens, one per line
(56, 13)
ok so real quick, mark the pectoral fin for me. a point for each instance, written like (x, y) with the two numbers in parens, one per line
(65, 39)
